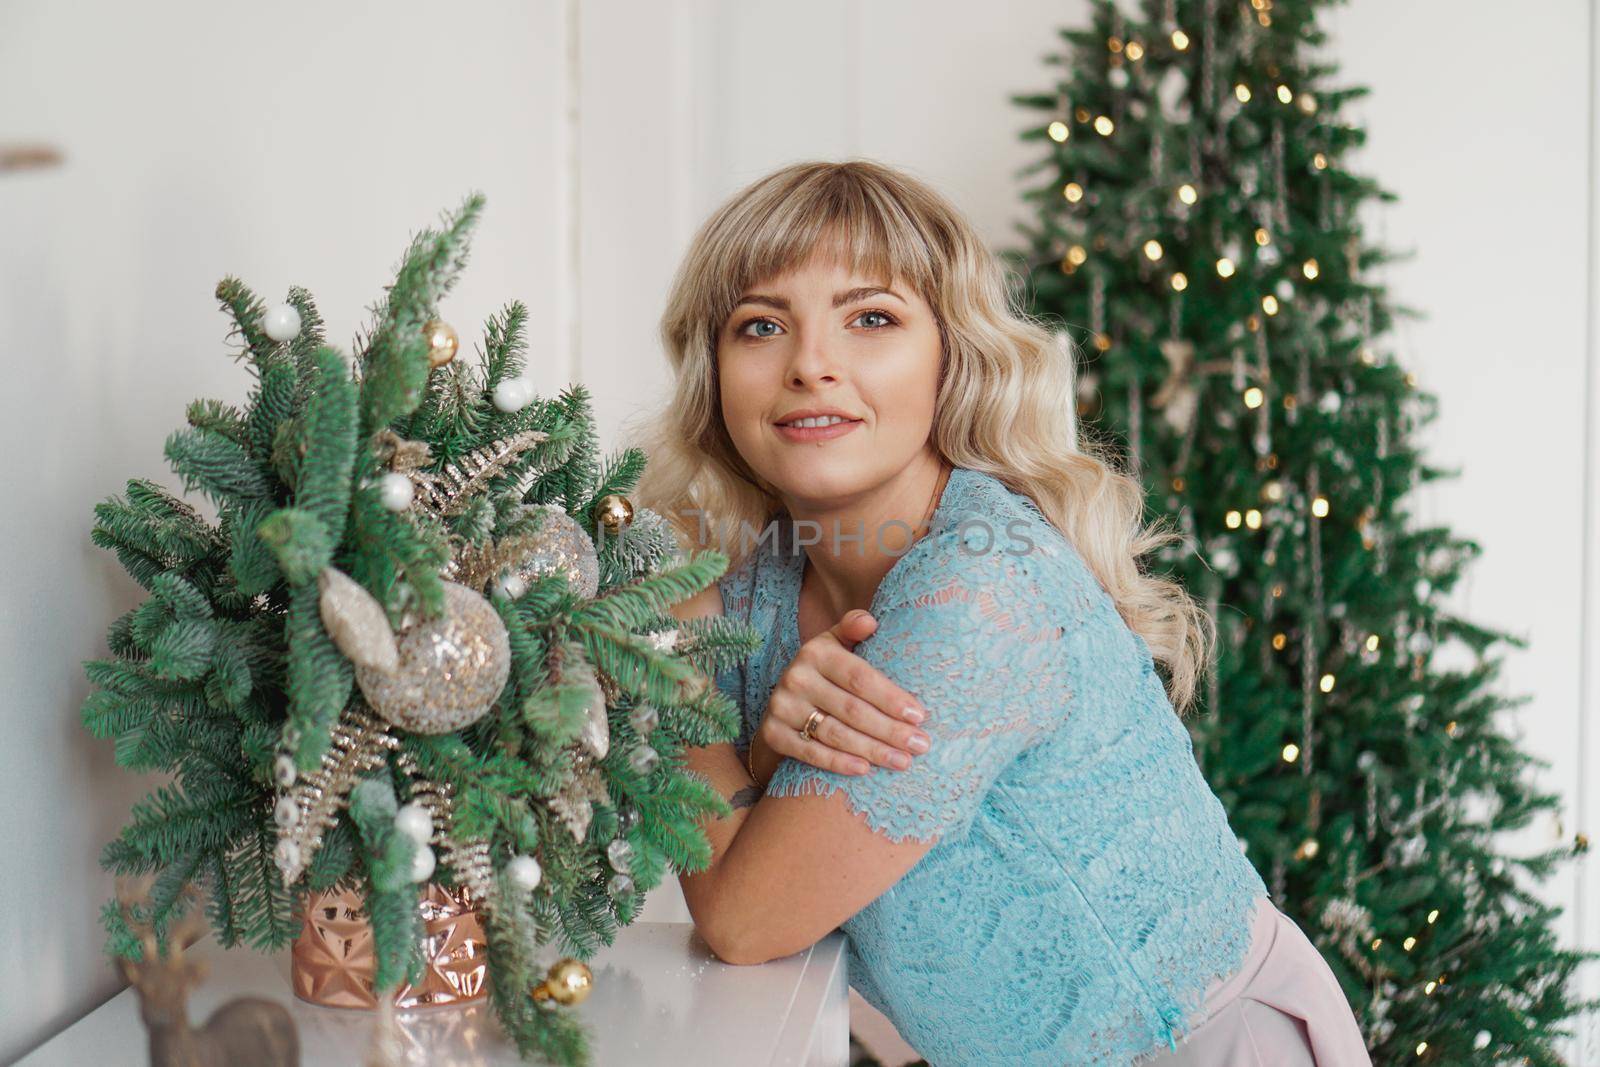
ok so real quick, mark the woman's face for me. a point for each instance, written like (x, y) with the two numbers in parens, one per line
(821, 337)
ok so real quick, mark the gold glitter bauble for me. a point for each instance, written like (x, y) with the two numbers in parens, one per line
(452, 668)
(569, 982)
(562, 548)
(442, 342)
(615, 513)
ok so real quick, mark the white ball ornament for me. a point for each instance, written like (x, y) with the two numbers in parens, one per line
(422, 864)
(416, 822)
(524, 872)
(513, 394)
(511, 586)
(281, 322)
(1481, 1042)
(397, 491)
(284, 771)
(287, 856)
(286, 813)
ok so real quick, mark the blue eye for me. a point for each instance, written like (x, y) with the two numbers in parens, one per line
(889, 320)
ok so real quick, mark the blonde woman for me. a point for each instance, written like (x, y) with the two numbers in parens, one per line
(956, 745)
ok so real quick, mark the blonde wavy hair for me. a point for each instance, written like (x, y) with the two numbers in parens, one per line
(1007, 393)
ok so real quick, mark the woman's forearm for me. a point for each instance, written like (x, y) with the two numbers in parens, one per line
(725, 772)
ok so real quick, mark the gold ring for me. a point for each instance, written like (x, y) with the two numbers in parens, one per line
(809, 730)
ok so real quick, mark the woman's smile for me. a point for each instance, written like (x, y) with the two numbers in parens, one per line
(807, 431)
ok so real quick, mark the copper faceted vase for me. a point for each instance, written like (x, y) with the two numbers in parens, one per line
(332, 958)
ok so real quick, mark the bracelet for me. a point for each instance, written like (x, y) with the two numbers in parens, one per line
(750, 761)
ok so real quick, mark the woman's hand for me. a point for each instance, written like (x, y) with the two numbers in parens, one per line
(867, 718)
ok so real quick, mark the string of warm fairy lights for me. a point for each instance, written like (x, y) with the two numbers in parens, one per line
(1350, 923)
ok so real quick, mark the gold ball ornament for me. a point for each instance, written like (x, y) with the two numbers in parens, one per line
(451, 668)
(569, 982)
(442, 342)
(560, 546)
(615, 513)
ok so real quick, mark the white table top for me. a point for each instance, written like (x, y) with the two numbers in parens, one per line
(659, 997)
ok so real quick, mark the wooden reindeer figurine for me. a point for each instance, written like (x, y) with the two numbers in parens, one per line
(246, 1032)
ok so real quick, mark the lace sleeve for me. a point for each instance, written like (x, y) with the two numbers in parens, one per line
(737, 595)
(977, 639)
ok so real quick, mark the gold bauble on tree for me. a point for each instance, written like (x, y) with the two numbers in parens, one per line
(615, 513)
(569, 982)
(450, 670)
(442, 342)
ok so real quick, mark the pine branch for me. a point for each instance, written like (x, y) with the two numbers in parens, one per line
(247, 310)
(320, 678)
(323, 488)
(391, 900)
(395, 362)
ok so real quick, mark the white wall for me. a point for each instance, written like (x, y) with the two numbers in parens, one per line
(303, 143)
(285, 143)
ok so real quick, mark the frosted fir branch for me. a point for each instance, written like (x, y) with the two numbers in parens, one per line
(505, 347)
(393, 358)
(360, 743)
(246, 310)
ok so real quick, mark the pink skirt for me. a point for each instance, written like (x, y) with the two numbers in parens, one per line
(1282, 1008)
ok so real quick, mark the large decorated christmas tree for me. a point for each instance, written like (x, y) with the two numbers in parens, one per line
(1197, 231)
(426, 639)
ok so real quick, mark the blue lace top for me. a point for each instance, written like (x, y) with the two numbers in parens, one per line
(1086, 886)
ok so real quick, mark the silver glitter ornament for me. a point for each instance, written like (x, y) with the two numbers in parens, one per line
(644, 759)
(560, 547)
(620, 886)
(619, 852)
(356, 622)
(451, 668)
(644, 718)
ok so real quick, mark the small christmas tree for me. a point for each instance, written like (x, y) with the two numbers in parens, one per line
(1195, 211)
(427, 618)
